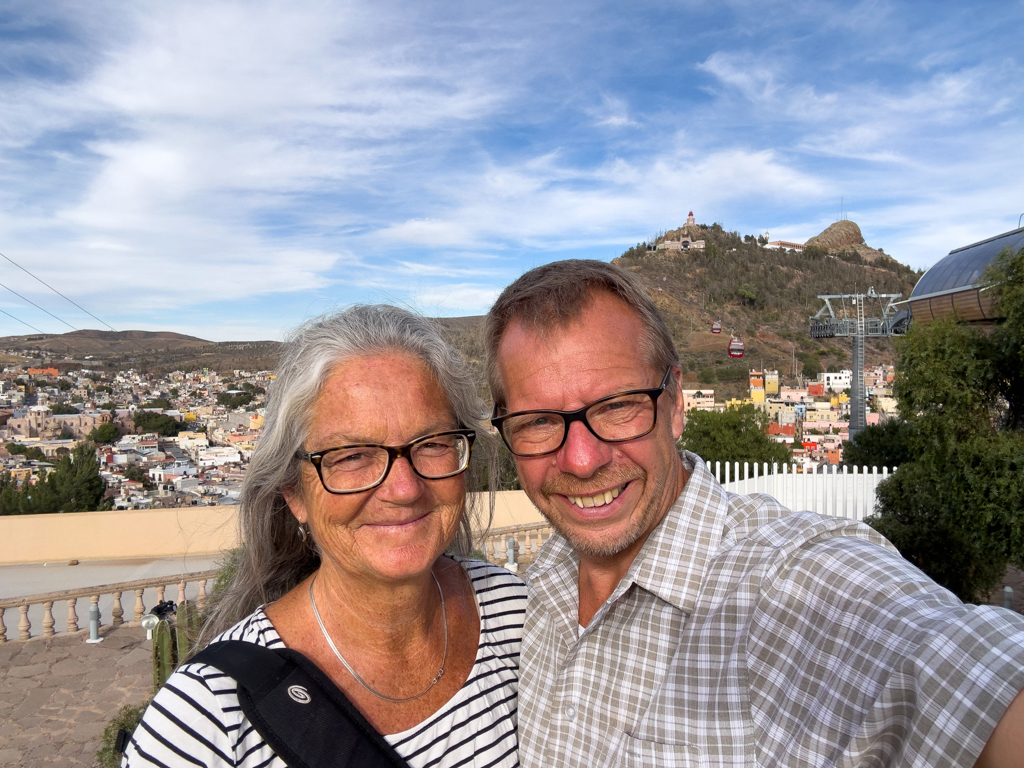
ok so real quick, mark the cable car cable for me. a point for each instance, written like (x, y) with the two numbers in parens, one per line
(90, 314)
(69, 325)
(23, 322)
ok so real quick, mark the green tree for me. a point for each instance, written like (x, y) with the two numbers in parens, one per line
(158, 402)
(35, 454)
(74, 484)
(707, 376)
(811, 363)
(1006, 278)
(147, 421)
(736, 434)
(60, 409)
(104, 433)
(63, 385)
(16, 449)
(136, 474)
(173, 392)
(229, 400)
(956, 509)
(888, 444)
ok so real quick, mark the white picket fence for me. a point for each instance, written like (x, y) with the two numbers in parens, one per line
(830, 490)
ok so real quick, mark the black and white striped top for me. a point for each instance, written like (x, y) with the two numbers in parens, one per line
(195, 719)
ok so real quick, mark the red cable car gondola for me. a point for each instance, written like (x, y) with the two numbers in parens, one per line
(736, 348)
(716, 327)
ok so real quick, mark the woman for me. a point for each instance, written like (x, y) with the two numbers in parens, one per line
(355, 492)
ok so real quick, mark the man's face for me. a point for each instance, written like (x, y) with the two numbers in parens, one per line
(568, 368)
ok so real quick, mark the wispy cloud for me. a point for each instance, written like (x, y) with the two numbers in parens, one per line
(239, 165)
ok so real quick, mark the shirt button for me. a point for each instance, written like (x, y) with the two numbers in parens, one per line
(570, 712)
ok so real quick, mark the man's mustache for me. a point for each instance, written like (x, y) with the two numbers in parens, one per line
(604, 479)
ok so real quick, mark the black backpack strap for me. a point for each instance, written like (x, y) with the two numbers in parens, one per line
(300, 712)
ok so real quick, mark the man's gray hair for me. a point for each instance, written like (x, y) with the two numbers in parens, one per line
(556, 294)
(274, 559)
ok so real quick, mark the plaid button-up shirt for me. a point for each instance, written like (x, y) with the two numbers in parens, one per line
(747, 634)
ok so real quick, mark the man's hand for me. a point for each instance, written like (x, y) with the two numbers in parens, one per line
(1005, 748)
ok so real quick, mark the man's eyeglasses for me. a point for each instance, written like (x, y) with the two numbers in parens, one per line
(356, 468)
(613, 419)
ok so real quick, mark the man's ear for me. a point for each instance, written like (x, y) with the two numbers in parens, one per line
(678, 412)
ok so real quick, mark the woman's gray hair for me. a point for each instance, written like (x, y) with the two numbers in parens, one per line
(274, 559)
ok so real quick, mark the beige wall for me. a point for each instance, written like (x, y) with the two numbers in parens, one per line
(131, 534)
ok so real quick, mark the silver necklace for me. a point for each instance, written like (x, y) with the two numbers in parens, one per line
(327, 637)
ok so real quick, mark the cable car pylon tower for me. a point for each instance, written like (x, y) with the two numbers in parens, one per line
(853, 322)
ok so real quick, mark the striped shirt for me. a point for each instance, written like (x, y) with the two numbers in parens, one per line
(195, 719)
(745, 634)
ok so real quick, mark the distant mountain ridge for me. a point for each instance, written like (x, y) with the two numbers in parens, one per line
(96, 342)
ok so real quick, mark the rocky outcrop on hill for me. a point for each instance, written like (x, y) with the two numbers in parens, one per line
(844, 236)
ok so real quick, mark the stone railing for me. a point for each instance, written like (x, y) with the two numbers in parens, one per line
(494, 544)
(528, 539)
(70, 597)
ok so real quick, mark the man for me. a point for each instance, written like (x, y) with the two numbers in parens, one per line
(671, 623)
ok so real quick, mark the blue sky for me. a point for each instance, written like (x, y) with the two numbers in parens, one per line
(227, 169)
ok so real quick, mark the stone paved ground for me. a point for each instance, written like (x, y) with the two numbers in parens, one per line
(57, 694)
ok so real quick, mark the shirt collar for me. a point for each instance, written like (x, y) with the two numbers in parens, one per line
(673, 560)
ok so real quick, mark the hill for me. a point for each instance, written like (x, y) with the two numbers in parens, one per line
(147, 351)
(759, 295)
(763, 297)
(89, 342)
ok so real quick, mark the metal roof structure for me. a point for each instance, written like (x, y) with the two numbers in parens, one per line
(951, 285)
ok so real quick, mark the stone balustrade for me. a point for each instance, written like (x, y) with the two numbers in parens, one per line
(493, 544)
(528, 538)
(70, 597)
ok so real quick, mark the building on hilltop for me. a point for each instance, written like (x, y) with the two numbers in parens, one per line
(782, 245)
(688, 238)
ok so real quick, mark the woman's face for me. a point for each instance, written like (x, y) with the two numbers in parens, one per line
(399, 528)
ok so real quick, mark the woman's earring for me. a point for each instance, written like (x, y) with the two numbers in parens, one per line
(302, 533)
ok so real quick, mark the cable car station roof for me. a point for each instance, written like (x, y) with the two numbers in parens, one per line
(951, 285)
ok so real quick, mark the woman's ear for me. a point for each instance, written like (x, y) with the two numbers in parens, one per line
(297, 505)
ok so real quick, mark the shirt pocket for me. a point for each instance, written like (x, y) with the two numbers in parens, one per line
(637, 752)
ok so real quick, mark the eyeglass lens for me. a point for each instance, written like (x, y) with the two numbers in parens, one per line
(348, 469)
(619, 418)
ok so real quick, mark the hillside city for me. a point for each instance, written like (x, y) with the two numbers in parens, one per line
(185, 438)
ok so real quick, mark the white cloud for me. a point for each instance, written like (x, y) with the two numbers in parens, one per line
(466, 298)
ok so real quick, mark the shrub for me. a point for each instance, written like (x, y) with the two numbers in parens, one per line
(128, 719)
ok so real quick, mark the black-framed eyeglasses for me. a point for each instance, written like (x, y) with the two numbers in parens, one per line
(613, 419)
(362, 467)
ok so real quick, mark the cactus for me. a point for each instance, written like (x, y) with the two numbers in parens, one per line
(189, 625)
(174, 639)
(164, 652)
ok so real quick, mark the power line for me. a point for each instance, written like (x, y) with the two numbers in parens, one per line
(69, 325)
(23, 322)
(90, 314)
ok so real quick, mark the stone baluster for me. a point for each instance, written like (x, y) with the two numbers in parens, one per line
(160, 593)
(201, 599)
(140, 607)
(24, 625)
(3, 627)
(48, 619)
(72, 614)
(534, 545)
(95, 600)
(117, 613)
(181, 592)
